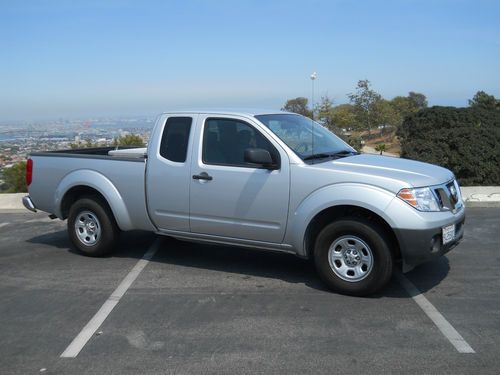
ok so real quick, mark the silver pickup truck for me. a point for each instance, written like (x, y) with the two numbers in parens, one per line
(269, 180)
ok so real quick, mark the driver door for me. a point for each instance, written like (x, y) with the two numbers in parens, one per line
(233, 198)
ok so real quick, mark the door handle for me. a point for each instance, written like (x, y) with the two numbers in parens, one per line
(202, 176)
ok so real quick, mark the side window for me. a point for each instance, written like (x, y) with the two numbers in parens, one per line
(225, 142)
(174, 140)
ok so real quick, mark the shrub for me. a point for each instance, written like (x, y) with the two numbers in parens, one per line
(464, 140)
(15, 178)
(380, 147)
(353, 141)
(129, 140)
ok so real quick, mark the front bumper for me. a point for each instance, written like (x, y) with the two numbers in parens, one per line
(28, 203)
(422, 245)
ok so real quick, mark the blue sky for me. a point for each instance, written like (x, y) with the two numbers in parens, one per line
(95, 58)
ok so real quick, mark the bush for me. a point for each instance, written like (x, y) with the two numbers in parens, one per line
(129, 140)
(353, 141)
(15, 178)
(464, 140)
(381, 147)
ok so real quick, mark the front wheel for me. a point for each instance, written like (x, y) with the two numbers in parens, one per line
(91, 227)
(352, 257)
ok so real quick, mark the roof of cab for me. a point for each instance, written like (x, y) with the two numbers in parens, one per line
(231, 112)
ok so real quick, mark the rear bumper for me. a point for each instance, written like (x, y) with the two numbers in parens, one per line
(422, 245)
(28, 203)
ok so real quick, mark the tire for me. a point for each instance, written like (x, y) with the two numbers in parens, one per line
(91, 226)
(352, 256)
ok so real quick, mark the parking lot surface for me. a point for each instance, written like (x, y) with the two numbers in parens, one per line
(210, 309)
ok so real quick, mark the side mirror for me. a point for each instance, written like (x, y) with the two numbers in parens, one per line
(260, 157)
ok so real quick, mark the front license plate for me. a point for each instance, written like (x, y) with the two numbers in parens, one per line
(448, 233)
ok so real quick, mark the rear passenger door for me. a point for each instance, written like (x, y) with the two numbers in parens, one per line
(168, 173)
(236, 199)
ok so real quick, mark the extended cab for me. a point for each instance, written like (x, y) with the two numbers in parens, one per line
(270, 180)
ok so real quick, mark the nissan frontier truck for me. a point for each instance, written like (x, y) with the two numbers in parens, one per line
(269, 180)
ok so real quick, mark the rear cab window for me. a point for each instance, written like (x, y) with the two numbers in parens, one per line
(175, 137)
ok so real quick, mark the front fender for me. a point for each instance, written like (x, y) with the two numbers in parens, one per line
(369, 197)
(97, 181)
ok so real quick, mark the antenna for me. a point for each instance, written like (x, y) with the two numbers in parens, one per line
(313, 78)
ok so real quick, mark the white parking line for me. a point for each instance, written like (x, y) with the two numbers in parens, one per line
(37, 221)
(44, 220)
(439, 320)
(93, 325)
(3, 224)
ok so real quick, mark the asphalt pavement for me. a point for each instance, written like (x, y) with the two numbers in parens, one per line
(195, 309)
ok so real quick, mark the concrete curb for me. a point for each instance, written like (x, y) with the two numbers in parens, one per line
(481, 196)
(473, 196)
(12, 201)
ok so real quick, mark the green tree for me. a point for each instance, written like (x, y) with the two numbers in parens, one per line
(385, 115)
(365, 101)
(324, 112)
(129, 140)
(298, 105)
(380, 147)
(15, 178)
(418, 100)
(484, 101)
(355, 142)
(404, 106)
(344, 116)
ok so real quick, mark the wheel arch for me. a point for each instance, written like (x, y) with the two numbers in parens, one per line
(332, 200)
(85, 183)
(77, 192)
(332, 213)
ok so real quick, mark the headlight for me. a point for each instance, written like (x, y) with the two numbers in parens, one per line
(421, 198)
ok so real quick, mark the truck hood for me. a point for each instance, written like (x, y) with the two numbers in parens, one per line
(407, 172)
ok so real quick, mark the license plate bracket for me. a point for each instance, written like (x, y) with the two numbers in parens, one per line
(448, 233)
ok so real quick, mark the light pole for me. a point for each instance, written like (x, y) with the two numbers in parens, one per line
(313, 78)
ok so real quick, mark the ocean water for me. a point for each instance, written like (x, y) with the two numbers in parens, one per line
(10, 137)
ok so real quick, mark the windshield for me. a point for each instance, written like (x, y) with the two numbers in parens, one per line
(297, 132)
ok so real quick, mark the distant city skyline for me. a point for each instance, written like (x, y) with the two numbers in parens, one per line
(90, 58)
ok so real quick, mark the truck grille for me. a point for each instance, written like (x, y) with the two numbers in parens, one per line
(448, 196)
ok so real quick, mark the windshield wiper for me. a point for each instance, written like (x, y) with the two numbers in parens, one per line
(324, 155)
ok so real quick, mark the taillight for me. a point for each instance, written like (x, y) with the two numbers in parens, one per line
(29, 172)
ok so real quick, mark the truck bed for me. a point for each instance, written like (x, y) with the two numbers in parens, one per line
(54, 171)
(121, 153)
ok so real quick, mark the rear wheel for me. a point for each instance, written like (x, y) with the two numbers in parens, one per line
(352, 256)
(91, 227)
